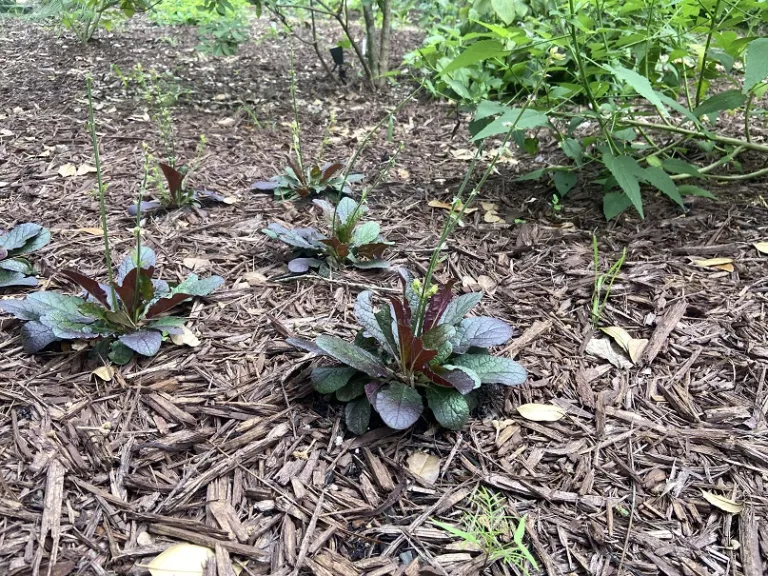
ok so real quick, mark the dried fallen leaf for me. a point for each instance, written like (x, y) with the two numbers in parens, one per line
(722, 503)
(619, 335)
(403, 173)
(491, 214)
(717, 263)
(180, 560)
(255, 278)
(85, 169)
(541, 412)
(425, 466)
(446, 206)
(197, 264)
(93, 231)
(67, 170)
(463, 154)
(635, 348)
(601, 347)
(226, 122)
(761, 247)
(105, 373)
(187, 337)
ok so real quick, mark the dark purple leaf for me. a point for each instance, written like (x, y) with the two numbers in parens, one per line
(174, 178)
(147, 207)
(340, 249)
(165, 304)
(303, 344)
(91, 286)
(457, 379)
(328, 379)
(399, 406)
(209, 196)
(413, 355)
(371, 251)
(35, 336)
(145, 342)
(3, 253)
(371, 389)
(265, 186)
(127, 291)
(437, 305)
(301, 265)
(329, 170)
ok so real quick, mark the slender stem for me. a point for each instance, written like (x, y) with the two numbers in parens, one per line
(704, 135)
(585, 81)
(747, 111)
(296, 125)
(137, 287)
(100, 184)
(711, 32)
(648, 40)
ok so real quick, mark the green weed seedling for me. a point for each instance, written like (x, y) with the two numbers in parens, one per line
(125, 315)
(603, 282)
(22, 239)
(489, 528)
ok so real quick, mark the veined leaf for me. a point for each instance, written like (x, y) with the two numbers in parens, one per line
(624, 169)
(449, 407)
(357, 415)
(728, 100)
(145, 342)
(615, 203)
(493, 369)
(476, 52)
(459, 307)
(690, 190)
(399, 405)
(369, 320)
(327, 380)
(660, 180)
(640, 84)
(480, 332)
(352, 356)
(366, 233)
(35, 336)
(755, 63)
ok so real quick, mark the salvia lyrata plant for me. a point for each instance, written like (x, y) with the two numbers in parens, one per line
(349, 242)
(127, 315)
(15, 270)
(178, 194)
(398, 362)
(314, 180)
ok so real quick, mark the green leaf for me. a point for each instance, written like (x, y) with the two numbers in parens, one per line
(459, 307)
(351, 390)
(329, 379)
(438, 336)
(690, 190)
(676, 166)
(564, 182)
(493, 369)
(399, 405)
(449, 407)
(660, 180)
(615, 203)
(624, 170)
(357, 415)
(728, 100)
(476, 52)
(572, 148)
(195, 286)
(352, 355)
(119, 353)
(640, 84)
(505, 9)
(755, 63)
(519, 118)
(372, 326)
(366, 233)
(145, 342)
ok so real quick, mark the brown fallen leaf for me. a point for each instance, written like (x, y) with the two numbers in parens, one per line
(425, 466)
(725, 264)
(491, 214)
(196, 264)
(187, 337)
(105, 373)
(85, 169)
(67, 170)
(446, 206)
(632, 346)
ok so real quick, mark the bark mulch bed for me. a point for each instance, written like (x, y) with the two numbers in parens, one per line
(226, 446)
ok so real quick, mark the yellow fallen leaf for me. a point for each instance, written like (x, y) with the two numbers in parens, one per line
(761, 247)
(446, 206)
(491, 214)
(85, 169)
(229, 200)
(725, 267)
(67, 170)
(541, 412)
(463, 154)
(713, 262)
(425, 466)
(403, 173)
(722, 503)
(105, 373)
(187, 337)
(489, 206)
(93, 231)
(180, 560)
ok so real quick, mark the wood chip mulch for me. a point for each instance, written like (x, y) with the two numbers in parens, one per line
(226, 446)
